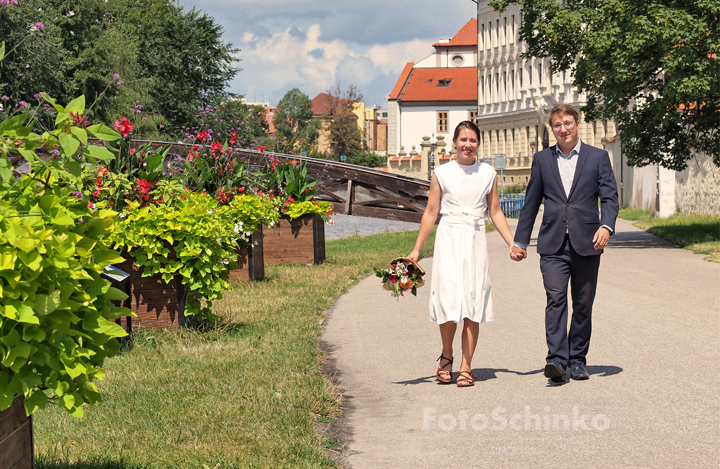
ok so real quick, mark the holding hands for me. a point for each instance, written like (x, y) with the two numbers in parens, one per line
(517, 254)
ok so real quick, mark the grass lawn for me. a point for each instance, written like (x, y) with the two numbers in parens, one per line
(698, 233)
(247, 393)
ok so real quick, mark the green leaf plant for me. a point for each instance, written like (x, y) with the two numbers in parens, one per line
(191, 236)
(55, 309)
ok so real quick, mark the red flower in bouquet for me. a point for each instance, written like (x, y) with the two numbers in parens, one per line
(216, 147)
(202, 136)
(124, 126)
(233, 138)
(261, 149)
(403, 276)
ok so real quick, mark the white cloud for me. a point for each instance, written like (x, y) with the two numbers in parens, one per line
(274, 65)
(310, 44)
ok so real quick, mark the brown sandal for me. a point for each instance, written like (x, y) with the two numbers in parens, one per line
(443, 375)
(465, 379)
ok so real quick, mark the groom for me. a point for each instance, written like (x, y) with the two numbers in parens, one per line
(570, 177)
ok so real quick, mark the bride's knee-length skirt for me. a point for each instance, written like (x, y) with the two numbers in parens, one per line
(460, 285)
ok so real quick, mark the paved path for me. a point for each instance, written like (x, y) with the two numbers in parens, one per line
(348, 225)
(652, 399)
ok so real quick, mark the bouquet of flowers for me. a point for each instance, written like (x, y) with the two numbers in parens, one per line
(401, 277)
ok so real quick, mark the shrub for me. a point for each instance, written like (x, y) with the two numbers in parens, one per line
(55, 308)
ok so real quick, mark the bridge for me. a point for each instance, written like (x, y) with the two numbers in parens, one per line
(354, 190)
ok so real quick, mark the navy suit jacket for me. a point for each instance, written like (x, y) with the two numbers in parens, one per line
(577, 213)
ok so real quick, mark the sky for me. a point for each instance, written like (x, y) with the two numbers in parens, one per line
(312, 45)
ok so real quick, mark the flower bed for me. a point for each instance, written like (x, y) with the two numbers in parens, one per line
(157, 304)
(250, 263)
(300, 240)
(16, 437)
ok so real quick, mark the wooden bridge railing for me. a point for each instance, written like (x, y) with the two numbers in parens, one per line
(355, 190)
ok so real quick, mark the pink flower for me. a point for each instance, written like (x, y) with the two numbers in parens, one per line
(39, 25)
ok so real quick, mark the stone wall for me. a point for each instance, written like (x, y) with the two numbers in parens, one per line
(697, 189)
(693, 191)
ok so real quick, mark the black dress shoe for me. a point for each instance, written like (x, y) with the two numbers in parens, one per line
(557, 381)
(579, 372)
(554, 370)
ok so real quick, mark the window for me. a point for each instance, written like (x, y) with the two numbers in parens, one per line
(512, 84)
(521, 22)
(527, 139)
(444, 82)
(458, 60)
(497, 33)
(505, 90)
(521, 72)
(530, 74)
(497, 86)
(482, 89)
(512, 28)
(489, 32)
(442, 121)
(472, 115)
(512, 178)
(505, 30)
(482, 34)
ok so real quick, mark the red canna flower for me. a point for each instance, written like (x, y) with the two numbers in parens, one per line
(124, 127)
(261, 149)
(233, 138)
(216, 147)
(202, 136)
(79, 119)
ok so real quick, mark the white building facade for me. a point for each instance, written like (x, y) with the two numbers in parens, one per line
(515, 96)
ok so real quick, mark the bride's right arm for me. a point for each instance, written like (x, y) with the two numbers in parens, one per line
(428, 220)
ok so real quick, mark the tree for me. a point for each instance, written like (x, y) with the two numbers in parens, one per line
(294, 121)
(189, 63)
(344, 133)
(651, 66)
(247, 121)
(35, 59)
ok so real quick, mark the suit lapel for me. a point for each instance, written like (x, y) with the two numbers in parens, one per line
(556, 170)
(582, 158)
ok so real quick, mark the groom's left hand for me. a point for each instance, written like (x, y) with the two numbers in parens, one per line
(602, 236)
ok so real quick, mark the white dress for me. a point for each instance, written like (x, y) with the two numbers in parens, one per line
(460, 285)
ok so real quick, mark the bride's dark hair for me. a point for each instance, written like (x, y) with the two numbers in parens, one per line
(467, 125)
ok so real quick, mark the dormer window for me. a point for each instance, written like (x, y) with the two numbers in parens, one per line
(444, 82)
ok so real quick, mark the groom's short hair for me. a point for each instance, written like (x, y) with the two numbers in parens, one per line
(563, 109)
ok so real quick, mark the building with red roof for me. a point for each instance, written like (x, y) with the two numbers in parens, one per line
(433, 95)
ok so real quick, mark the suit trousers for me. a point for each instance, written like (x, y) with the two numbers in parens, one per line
(582, 273)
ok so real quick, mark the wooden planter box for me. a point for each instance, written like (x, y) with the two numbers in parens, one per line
(250, 262)
(16, 437)
(300, 241)
(158, 305)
